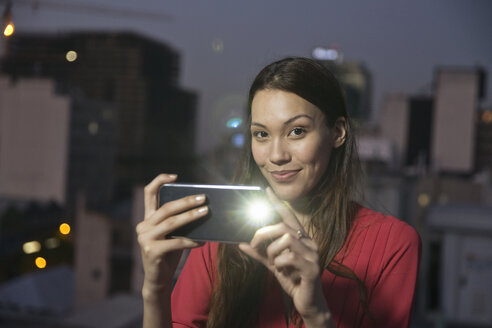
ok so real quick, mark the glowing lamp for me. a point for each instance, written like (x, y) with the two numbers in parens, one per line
(9, 29)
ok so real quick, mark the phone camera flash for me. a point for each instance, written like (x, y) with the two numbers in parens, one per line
(259, 213)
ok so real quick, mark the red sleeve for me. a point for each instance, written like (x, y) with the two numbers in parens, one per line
(391, 298)
(191, 295)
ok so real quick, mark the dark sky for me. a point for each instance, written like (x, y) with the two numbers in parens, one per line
(401, 42)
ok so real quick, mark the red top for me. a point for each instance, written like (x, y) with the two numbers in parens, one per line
(383, 252)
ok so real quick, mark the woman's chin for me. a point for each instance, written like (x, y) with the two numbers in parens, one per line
(286, 194)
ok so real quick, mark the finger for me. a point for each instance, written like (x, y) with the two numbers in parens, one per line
(285, 213)
(172, 223)
(295, 263)
(157, 248)
(150, 192)
(291, 243)
(176, 207)
(268, 233)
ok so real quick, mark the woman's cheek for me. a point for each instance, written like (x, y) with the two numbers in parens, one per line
(259, 154)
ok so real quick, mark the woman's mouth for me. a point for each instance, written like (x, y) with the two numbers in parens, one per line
(284, 176)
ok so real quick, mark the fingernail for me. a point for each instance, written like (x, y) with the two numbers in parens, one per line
(172, 176)
(203, 209)
(200, 198)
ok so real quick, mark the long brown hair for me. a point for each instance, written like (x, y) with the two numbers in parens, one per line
(237, 296)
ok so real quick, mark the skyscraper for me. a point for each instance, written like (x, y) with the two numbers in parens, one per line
(355, 79)
(155, 117)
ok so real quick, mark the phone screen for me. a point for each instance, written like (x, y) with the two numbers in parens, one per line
(235, 212)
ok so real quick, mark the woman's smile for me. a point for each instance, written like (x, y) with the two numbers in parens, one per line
(284, 176)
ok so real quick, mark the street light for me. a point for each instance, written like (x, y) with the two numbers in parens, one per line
(7, 22)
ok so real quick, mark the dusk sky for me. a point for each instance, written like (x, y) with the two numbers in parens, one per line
(224, 43)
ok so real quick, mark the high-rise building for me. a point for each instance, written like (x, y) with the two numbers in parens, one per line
(454, 125)
(419, 131)
(394, 124)
(483, 159)
(34, 134)
(355, 79)
(155, 118)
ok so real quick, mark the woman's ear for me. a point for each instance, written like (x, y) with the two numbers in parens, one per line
(339, 132)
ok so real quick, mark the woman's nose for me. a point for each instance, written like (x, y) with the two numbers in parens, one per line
(279, 153)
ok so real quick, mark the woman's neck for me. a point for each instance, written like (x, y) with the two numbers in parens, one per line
(302, 211)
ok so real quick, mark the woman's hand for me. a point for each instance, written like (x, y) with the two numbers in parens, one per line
(160, 256)
(292, 256)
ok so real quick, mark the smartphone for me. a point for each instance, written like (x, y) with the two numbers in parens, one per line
(235, 212)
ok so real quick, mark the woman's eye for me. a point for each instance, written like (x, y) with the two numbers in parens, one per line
(297, 132)
(260, 134)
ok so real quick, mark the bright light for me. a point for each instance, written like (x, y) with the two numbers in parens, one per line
(51, 243)
(71, 56)
(259, 213)
(40, 262)
(64, 229)
(325, 54)
(234, 123)
(9, 29)
(31, 247)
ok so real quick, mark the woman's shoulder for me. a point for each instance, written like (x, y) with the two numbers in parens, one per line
(386, 228)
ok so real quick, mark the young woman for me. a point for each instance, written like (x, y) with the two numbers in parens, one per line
(329, 263)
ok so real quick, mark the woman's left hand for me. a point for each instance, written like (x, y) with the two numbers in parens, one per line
(292, 256)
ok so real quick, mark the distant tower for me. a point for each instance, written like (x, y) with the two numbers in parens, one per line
(454, 125)
(34, 133)
(483, 159)
(155, 118)
(354, 77)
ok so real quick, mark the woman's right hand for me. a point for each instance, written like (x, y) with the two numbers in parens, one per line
(160, 256)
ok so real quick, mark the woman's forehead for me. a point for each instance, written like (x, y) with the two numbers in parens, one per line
(282, 106)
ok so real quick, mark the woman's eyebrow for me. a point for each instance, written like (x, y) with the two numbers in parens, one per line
(258, 124)
(290, 120)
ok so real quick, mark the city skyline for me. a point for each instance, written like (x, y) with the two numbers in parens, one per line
(223, 45)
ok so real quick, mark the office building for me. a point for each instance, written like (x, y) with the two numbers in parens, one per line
(155, 120)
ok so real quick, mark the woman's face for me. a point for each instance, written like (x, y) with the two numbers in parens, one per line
(291, 143)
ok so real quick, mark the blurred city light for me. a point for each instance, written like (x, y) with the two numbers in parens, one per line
(218, 46)
(31, 247)
(71, 56)
(234, 123)
(93, 128)
(238, 140)
(51, 243)
(64, 228)
(9, 29)
(7, 20)
(423, 200)
(487, 116)
(40, 262)
(326, 54)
